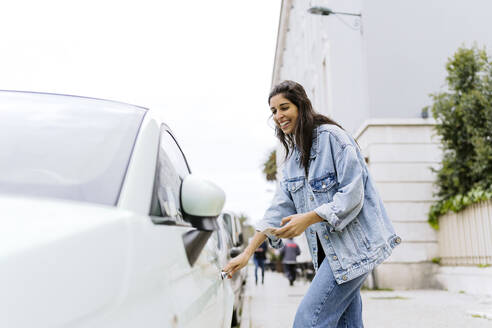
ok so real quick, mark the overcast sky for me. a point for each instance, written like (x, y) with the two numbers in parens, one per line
(205, 65)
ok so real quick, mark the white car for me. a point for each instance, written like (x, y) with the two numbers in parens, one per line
(234, 243)
(101, 222)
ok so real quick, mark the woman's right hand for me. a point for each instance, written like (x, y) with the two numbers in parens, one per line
(236, 264)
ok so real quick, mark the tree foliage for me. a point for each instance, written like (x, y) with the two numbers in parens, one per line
(270, 167)
(464, 116)
(248, 229)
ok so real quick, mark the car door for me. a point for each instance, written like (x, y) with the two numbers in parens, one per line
(197, 290)
(160, 287)
(221, 240)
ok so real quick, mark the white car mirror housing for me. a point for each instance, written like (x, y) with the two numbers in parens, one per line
(202, 202)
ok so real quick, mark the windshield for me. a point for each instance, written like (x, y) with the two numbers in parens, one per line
(65, 147)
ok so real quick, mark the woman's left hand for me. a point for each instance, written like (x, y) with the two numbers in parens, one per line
(296, 224)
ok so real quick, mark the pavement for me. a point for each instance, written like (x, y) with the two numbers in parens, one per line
(274, 304)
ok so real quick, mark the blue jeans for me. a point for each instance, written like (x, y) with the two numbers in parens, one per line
(259, 263)
(329, 305)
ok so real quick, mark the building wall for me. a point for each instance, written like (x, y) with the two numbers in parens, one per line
(329, 65)
(386, 68)
(400, 155)
(407, 45)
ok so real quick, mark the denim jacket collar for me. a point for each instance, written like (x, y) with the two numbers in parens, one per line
(314, 147)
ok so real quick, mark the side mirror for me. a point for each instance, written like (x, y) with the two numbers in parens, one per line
(201, 202)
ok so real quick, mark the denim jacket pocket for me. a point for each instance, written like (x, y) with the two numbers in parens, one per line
(360, 238)
(323, 187)
(295, 188)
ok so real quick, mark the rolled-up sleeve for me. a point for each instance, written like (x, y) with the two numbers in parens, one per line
(349, 197)
(281, 206)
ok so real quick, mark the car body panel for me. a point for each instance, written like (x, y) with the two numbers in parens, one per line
(56, 268)
(136, 192)
(66, 263)
(103, 267)
(219, 242)
(231, 227)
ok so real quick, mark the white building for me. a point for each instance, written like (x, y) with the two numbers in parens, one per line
(373, 74)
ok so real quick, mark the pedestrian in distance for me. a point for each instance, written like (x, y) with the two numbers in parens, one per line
(327, 193)
(289, 254)
(259, 259)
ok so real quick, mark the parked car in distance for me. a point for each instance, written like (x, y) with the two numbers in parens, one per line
(102, 223)
(235, 245)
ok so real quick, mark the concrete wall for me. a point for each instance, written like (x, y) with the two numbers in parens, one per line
(388, 66)
(407, 44)
(400, 154)
(468, 279)
(326, 59)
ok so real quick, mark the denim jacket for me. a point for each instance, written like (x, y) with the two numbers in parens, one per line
(356, 233)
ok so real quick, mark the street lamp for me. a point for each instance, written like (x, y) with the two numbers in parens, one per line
(327, 11)
(323, 11)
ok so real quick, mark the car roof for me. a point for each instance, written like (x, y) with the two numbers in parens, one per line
(21, 93)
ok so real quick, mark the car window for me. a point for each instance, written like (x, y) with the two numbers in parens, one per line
(228, 223)
(170, 171)
(64, 146)
(216, 236)
(238, 225)
(175, 154)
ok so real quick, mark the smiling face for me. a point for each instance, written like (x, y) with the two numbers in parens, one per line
(284, 113)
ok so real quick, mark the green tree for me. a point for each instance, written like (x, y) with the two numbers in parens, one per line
(270, 167)
(248, 229)
(464, 116)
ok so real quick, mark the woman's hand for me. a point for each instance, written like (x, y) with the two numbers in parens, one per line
(296, 224)
(236, 264)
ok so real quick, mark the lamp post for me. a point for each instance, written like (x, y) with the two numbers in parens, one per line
(323, 11)
(327, 11)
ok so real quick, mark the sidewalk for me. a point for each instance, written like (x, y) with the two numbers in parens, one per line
(273, 305)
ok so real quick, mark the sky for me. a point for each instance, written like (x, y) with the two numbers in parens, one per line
(205, 66)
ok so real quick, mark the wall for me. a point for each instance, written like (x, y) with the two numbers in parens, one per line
(400, 154)
(326, 59)
(408, 43)
(385, 69)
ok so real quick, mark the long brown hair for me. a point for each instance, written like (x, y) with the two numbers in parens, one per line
(307, 121)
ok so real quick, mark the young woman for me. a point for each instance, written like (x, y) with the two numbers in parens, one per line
(326, 192)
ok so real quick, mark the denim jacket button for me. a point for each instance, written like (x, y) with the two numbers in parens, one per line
(335, 257)
(398, 240)
(344, 278)
(323, 186)
(326, 237)
(311, 198)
